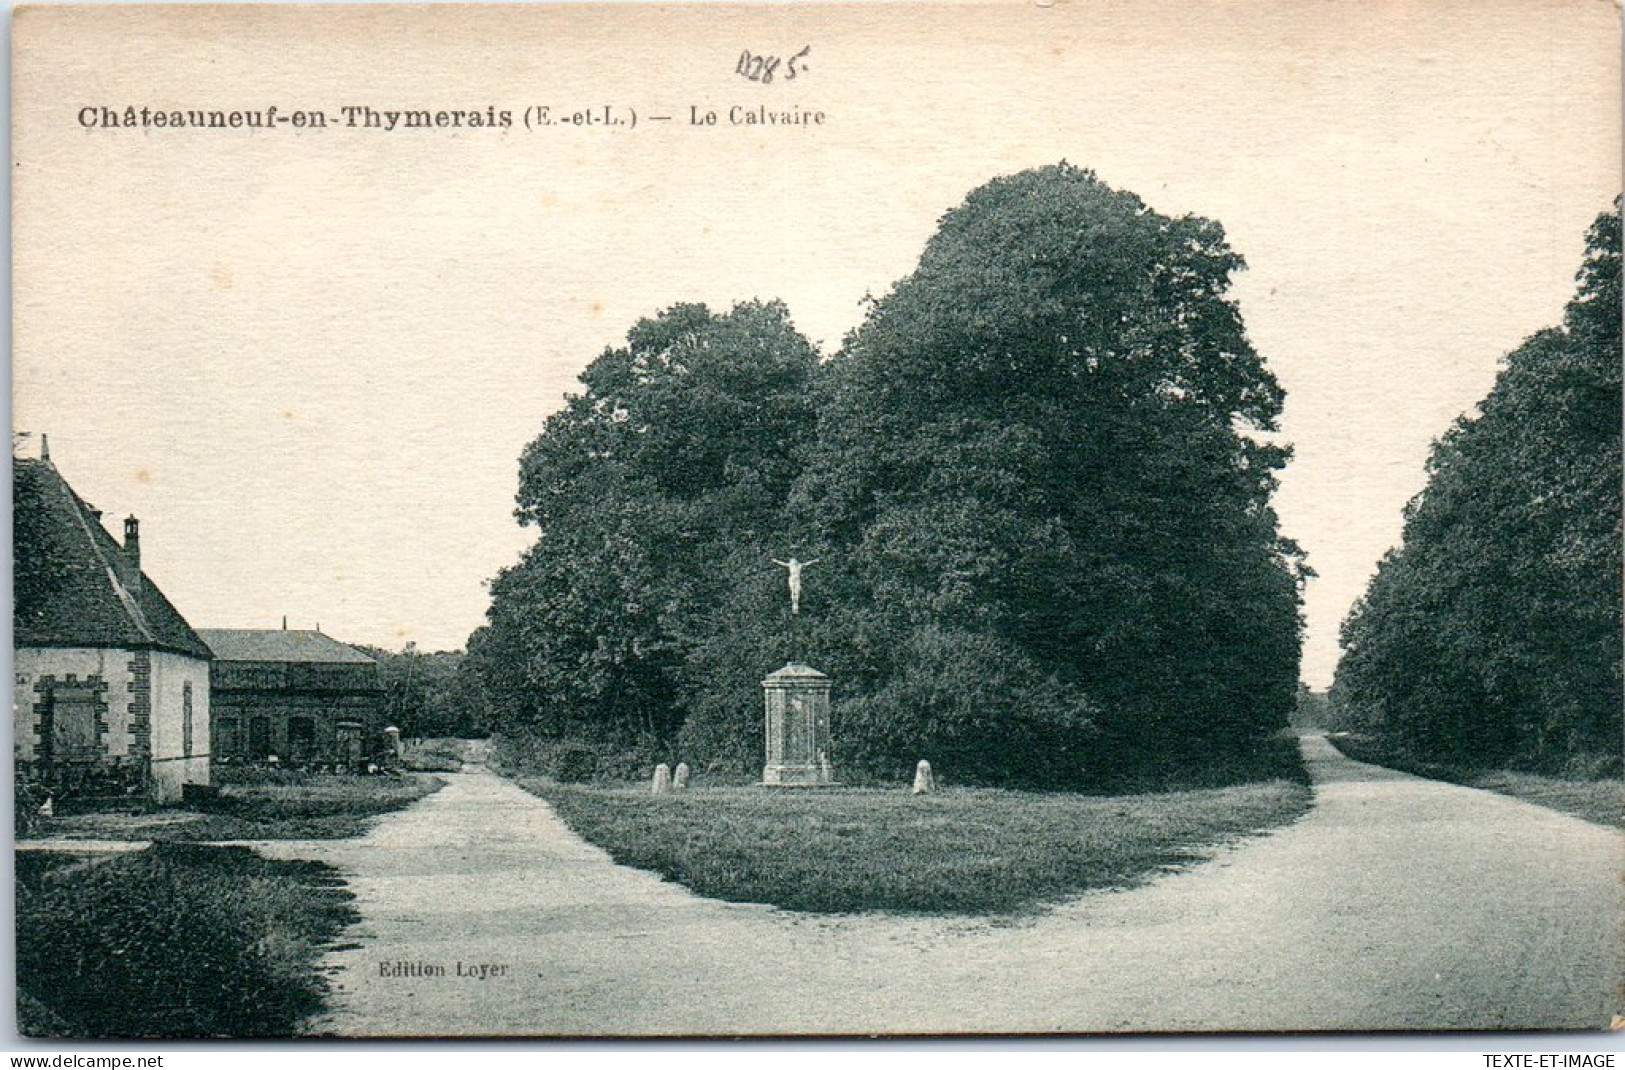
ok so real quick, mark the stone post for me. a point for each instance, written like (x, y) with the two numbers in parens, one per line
(797, 728)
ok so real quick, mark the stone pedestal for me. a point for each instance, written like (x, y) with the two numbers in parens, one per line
(797, 728)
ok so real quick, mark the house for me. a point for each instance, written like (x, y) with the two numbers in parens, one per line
(111, 686)
(301, 696)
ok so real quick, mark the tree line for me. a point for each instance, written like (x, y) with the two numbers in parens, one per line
(1047, 554)
(1491, 636)
(432, 694)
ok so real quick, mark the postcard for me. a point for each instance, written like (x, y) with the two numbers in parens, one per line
(1016, 517)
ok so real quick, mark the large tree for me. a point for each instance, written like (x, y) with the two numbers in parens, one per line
(1036, 459)
(682, 447)
(1491, 636)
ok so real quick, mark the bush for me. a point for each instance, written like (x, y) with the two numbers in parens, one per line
(976, 708)
(725, 735)
(288, 805)
(574, 761)
(175, 941)
(620, 765)
(259, 775)
(321, 796)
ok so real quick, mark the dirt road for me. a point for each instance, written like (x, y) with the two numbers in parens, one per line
(1396, 903)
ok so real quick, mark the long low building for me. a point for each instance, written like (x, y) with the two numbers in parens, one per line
(300, 696)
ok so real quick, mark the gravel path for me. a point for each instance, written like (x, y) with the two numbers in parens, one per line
(1396, 903)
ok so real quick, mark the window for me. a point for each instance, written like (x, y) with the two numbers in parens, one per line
(226, 743)
(259, 737)
(301, 738)
(73, 725)
(186, 719)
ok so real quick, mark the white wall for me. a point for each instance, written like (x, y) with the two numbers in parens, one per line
(170, 766)
(112, 666)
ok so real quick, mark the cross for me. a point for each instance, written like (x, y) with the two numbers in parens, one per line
(795, 568)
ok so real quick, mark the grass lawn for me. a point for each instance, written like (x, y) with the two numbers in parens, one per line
(177, 940)
(959, 851)
(259, 805)
(1601, 801)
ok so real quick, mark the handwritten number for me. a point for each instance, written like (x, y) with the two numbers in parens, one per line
(763, 68)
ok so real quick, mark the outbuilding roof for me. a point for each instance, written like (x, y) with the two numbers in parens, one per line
(281, 644)
(89, 595)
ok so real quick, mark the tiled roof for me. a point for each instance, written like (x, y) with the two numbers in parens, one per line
(85, 604)
(280, 644)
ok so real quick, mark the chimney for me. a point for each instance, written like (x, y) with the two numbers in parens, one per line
(131, 573)
(44, 446)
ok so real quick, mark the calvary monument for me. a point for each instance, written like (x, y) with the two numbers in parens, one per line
(797, 710)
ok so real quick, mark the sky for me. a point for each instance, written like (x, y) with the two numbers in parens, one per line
(308, 360)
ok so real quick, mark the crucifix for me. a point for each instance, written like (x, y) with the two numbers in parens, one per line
(795, 568)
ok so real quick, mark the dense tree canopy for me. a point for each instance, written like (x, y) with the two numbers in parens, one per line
(1036, 448)
(679, 452)
(1036, 479)
(1491, 636)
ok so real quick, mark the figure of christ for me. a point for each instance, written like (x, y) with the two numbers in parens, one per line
(795, 568)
